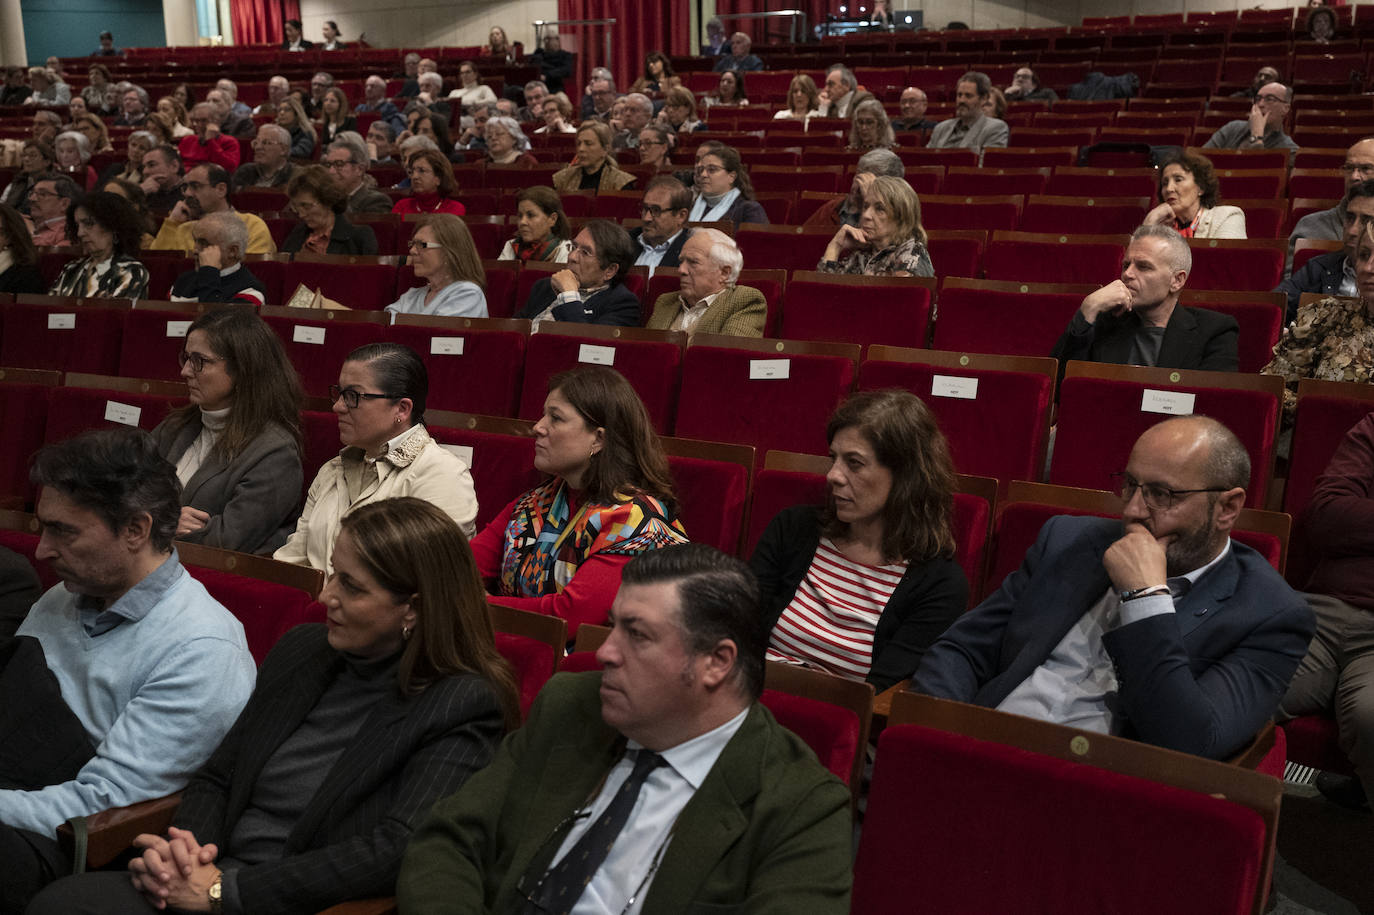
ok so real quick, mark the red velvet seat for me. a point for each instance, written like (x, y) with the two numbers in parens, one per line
(474, 364)
(1259, 314)
(831, 731)
(957, 252)
(982, 182)
(711, 480)
(152, 340)
(1101, 416)
(97, 400)
(320, 436)
(783, 247)
(1313, 740)
(501, 278)
(1095, 215)
(532, 643)
(1237, 264)
(63, 337)
(1049, 258)
(23, 408)
(1003, 317)
(1103, 182)
(271, 271)
(953, 211)
(499, 452)
(858, 309)
(732, 389)
(364, 286)
(317, 342)
(776, 489)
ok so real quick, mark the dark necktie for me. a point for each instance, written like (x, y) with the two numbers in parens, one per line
(565, 882)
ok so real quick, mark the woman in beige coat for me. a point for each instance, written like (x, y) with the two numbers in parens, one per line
(594, 170)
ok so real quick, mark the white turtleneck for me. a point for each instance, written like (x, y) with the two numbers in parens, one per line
(212, 423)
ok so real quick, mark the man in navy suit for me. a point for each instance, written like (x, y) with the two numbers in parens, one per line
(591, 290)
(1157, 627)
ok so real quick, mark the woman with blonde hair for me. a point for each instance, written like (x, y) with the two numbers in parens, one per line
(889, 239)
(870, 128)
(175, 112)
(595, 168)
(94, 130)
(443, 255)
(334, 115)
(292, 118)
(802, 99)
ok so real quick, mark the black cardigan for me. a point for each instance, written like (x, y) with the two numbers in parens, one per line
(345, 239)
(930, 596)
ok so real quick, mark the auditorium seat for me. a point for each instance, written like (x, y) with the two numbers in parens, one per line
(86, 402)
(858, 309)
(783, 247)
(499, 453)
(64, 334)
(1237, 264)
(1009, 318)
(1259, 314)
(957, 252)
(24, 395)
(1051, 258)
(990, 181)
(1093, 215)
(363, 283)
(989, 211)
(270, 269)
(474, 364)
(318, 341)
(712, 483)
(154, 336)
(1103, 182)
(532, 643)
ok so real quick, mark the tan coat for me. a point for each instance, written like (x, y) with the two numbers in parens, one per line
(612, 178)
(737, 312)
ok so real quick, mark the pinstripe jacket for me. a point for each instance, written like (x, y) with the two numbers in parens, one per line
(409, 752)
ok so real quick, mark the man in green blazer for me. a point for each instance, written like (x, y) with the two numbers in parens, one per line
(709, 301)
(735, 814)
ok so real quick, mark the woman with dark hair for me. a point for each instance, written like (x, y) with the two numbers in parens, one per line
(110, 236)
(595, 168)
(723, 189)
(334, 116)
(862, 586)
(471, 90)
(388, 452)
(131, 169)
(139, 201)
(237, 444)
(559, 548)
(36, 158)
(184, 96)
(541, 229)
(432, 185)
(1189, 193)
(656, 144)
(425, 123)
(295, 41)
(292, 118)
(331, 37)
(18, 257)
(658, 75)
(355, 728)
(730, 91)
(324, 229)
(97, 84)
(1321, 24)
(443, 255)
(680, 110)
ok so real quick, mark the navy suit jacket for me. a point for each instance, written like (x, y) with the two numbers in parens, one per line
(1201, 680)
(615, 305)
(1322, 273)
(670, 257)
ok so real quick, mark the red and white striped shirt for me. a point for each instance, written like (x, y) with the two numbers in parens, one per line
(830, 622)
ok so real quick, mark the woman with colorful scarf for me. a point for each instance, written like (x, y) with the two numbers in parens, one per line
(559, 548)
(541, 229)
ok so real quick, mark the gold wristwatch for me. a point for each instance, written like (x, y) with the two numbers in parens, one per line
(216, 895)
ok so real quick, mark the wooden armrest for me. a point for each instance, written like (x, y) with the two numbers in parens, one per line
(1254, 752)
(110, 832)
(363, 907)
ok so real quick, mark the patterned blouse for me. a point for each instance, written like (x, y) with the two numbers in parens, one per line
(125, 279)
(548, 538)
(1329, 340)
(909, 257)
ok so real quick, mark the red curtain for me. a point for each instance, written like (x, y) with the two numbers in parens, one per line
(640, 27)
(778, 29)
(260, 21)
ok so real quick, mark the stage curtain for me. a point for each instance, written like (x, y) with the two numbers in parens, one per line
(640, 28)
(260, 21)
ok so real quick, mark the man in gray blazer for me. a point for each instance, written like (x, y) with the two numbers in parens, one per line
(970, 128)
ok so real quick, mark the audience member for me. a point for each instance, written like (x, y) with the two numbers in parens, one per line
(870, 128)
(410, 68)
(139, 201)
(375, 100)
(670, 738)
(554, 63)
(107, 47)
(970, 128)
(163, 127)
(175, 113)
(108, 232)
(1025, 87)
(18, 256)
(1136, 320)
(1330, 224)
(271, 166)
(295, 41)
(334, 116)
(292, 118)
(717, 42)
(474, 135)
(863, 585)
(1321, 24)
(73, 153)
(730, 91)
(709, 301)
(50, 201)
(741, 56)
(471, 89)
(172, 664)
(591, 288)
(278, 88)
(498, 46)
(208, 143)
(663, 211)
(600, 97)
(16, 90)
(1189, 194)
(913, 104)
(133, 107)
(995, 105)
(1263, 77)
(425, 124)
(36, 158)
(46, 126)
(533, 110)
(220, 241)
(656, 143)
(1113, 657)
(432, 185)
(444, 257)
(94, 130)
(330, 33)
(230, 122)
(838, 93)
(847, 210)
(207, 191)
(97, 84)
(320, 84)
(889, 239)
(1334, 274)
(658, 75)
(323, 228)
(802, 99)
(639, 111)
(556, 112)
(388, 452)
(1263, 129)
(507, 143)
(541, 228)
(680, 111)
(347, 161)
(48, 88)
(724, 192)
(139, 144)
(162, 178)
(595, 169)
(380, 140)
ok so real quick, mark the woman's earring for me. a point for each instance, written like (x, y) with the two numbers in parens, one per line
(406, 631)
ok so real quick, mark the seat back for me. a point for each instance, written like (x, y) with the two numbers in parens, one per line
(154, 335)
(68, 335)
(317, 342)
(825, 307)
(532, 643)
(24, 406)
(86, 402)
(1259, 315)
(1237, 264)
(1048, 258)
(499, 453)
(712, 483)
(832, 715)
(474, 364)
(364, 286)
(1003, 317)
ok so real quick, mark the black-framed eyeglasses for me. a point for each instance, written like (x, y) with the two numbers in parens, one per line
(352, 396)
(1157, 498)
(198, 361)
(654, 212)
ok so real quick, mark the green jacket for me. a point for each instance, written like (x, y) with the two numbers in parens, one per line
(768, 831)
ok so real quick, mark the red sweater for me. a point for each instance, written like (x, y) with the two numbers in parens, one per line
(428, 203)
(220, 150)
(1339, 522)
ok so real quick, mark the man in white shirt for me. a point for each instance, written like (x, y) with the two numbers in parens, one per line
(659, 783)
(664, 213)
(838, 92)
(709, 302)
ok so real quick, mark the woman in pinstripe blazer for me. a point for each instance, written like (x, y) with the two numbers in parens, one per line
(356, 727)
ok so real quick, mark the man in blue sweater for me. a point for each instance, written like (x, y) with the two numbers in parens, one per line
(137, 672)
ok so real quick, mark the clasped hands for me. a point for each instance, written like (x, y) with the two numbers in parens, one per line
(175, 871)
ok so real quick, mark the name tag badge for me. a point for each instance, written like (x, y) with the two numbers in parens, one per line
(770, 369)
(1174, 403)
(178, 328)
(954, 386)
(62, 322)
(127, 414)
(596, 355)
(304, 333)
(446, 346)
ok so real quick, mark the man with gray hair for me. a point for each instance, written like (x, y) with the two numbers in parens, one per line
(271, 165)
(431, 96)
(220, 242)
(231, 91)
(320, 83)
(1136, 320)
(970, 128)
(133, 107)
(638, 111)
(49, 200)
(838, 92)
(278, 88)
(741, 56)
(374, 99)
(600, 96)
(535, 93)
(232, 123)
(709, 302)
(347, 161)
(846, 210)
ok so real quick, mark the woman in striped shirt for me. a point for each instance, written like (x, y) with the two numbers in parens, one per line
(862, 586)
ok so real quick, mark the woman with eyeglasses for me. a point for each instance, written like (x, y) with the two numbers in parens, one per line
(471, 90)
(387, 452)
(237, 444)
(723, 188)
(656, 147)
(870, 127)
(324, 229)
(541, 229)
(443, 256)
(507, 143)
(432, 185)
(107, 228)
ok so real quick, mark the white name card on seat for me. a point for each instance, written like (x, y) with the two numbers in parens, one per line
(304, 333)
(461, 452)
(596, 355)
(62, 322)
(178, 328)
(954, 386)
(1175, 403)
(770, 369)
(446, 346)
(117, 412)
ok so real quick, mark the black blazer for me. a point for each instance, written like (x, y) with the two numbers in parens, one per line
(670, 257)
(408, 753)
(930, 596)
(345, 239)
(616, 305)
(1194, 338)
(23, 278)
(306, 45)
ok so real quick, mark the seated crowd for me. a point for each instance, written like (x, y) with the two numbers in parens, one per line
(382, 752)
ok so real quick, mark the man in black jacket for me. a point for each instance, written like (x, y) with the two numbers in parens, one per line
(220, 276)
(591, 290)
(1334, 273)
(658, 243)
(1136, 320)
(554, 63)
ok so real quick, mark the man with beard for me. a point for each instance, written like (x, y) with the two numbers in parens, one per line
(1158, 627)
(970, 128)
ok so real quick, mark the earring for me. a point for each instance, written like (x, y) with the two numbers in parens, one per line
(406, 631)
